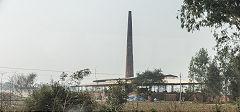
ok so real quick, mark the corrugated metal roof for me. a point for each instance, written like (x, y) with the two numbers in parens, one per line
(167, 81)
(103, 80)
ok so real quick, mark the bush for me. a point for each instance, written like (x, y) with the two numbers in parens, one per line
(116, 96)
(58, 98)
(102, 107)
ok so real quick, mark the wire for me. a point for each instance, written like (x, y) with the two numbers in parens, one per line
(47, 70)
(33, 69)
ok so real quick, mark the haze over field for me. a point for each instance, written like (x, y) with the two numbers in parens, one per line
(76, 34)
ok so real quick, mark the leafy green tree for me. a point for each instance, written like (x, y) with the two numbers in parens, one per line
(235, 79)
(40, 100)
(75, 78)
(224, 58)
(214, 80)
(221, 15)
(23, 83)
(57, 97)
(117, 96)
(224, 18)
(198, 66)
(149, 77)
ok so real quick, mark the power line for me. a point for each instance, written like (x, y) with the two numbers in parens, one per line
(108, 74)
(48, 70)
(59, 71)
(34, 69)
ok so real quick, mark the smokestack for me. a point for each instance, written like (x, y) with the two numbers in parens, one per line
(129, 57)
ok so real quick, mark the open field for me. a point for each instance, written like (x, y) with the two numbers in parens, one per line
(177, 107)
(164, 106)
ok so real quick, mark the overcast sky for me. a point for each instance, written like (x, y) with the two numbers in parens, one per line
(70, 35)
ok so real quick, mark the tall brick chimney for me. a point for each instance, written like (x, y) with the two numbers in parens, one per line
(129, 56)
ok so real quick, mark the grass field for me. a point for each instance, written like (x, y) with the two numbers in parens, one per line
(179, 107)
(164, 106)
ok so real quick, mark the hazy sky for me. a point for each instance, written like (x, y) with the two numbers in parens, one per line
(70, 35)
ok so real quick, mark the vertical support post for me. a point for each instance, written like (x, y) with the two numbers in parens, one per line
(171, 88)
(1, 92)
(193, 84)
(180, 97)
(10, 92)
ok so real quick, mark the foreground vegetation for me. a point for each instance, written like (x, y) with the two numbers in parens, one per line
(59, 97)
(163, 106)
(179, 107)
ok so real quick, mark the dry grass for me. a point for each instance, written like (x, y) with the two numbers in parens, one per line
(178, 107)
(13, 106)
(164, 106)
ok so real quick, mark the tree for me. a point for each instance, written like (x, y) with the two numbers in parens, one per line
(117, 96)
(224, 58)
(214, 80)
(23, 83)
(57, 97)
(76, 77)
(30, 82)
(198, 66)
(235, 79)
(149, 78)
(221, 15)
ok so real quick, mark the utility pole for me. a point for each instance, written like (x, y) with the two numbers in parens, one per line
(180, 96)
(1, 92)
(11, 90)
(95, 73)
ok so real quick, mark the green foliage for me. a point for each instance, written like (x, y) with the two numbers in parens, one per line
(206, 72)
(224, 58)
(235, 79)
(224, 18)
(59, 98)
(201, 13)
(221, 15)
(56, 97)
(76, 77)
(40, 100)
(198, 66)
(214, 80)
(101, 107)
(149, 77)
(117, 96)
(219, 76)
(23, 82)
